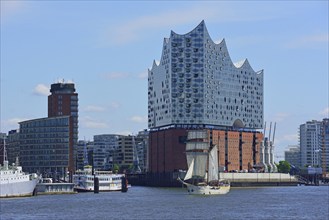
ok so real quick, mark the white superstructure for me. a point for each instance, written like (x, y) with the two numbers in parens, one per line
(84, 180)
(14, 182)
(196, 82)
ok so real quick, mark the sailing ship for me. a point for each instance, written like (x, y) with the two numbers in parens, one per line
(202, 176)
(14, 182)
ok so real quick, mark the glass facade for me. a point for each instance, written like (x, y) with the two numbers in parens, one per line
(197, 83)
(44, 145)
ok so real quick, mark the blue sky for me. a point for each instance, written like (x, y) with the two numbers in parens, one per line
(106, 47)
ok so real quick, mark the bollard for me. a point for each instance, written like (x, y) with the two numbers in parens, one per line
(96, 185)
(124, 184)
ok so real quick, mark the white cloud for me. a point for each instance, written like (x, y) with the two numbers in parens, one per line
(281, 116)
(93, 108)
(115, 75)
(325, 112)
(41, 89)
(311, 41)
(219, 12)
(88, 122)
(14, 121)
(139, 119)
(130, 31)
(143, 75)
(114, 105)
(124, 133)
(288, 139)
(10, 8)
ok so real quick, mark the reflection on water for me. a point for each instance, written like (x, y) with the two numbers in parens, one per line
(302, 202)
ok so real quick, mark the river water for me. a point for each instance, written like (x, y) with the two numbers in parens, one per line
(300, 202)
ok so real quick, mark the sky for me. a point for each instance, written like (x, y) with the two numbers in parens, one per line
(106, 48)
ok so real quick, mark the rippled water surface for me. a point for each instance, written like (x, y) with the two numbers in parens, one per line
(301, 202)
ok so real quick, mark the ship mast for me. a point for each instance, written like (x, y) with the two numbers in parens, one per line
(4, 150)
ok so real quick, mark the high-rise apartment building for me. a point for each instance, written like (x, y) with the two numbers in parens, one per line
(309, 138)
(197, 86)
(196, 83)
(63, 100)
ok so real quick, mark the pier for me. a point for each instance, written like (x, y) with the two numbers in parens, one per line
(48, 188)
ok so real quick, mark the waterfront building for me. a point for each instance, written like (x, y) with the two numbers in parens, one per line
(197, 86)
(196, 83)
(63, 100)
(45, 145)
(3, 136)
(84, 154)
(309, 138)
(292, 155)
(124, 154)
(103, 151)
(324, 145)
(12, 146)
(142, 150)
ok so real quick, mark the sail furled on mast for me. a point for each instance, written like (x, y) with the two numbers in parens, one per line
(197, 146)
(213, 164)
(197, 134)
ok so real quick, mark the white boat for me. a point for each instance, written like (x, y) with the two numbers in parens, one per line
(202, 176)
(108, 181)
(14, 182)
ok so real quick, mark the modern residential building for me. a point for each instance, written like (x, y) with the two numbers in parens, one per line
(124, 154)
(309, 138)
(12, 145)
(197, 86)
(324, 145)
(142, 150)
(45, 145)
(105, 146)
(63, 100)
(292, 155)
(84, 154)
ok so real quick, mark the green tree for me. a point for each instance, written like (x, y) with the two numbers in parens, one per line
(283, 166)
(116, 168)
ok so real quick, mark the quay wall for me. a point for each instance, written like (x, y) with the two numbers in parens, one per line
(260, 179)
(236, 179)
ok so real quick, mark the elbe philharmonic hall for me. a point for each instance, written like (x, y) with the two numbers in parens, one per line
(197, 86)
